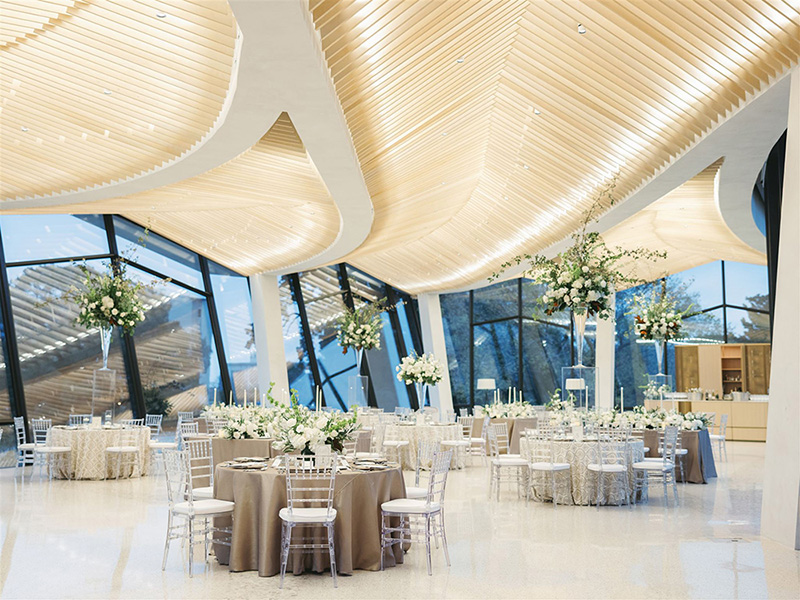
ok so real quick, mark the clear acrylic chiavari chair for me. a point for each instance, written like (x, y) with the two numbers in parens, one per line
(132, 422)
(310, 482)
(46, 455)
(505, 468)
(79, 420)
(425, 451)
(543, 467)
(124, 455)
(663, 468)
(611, 465)
(201, 467)
(154, 423)
(25, 455)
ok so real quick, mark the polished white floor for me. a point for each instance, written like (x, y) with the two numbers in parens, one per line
(84, 539)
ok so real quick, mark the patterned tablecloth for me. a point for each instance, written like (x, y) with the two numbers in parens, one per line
(584, 482)
(415, 434)
(87, 459)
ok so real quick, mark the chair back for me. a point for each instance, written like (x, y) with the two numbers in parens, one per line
(185, 430)
(310, 481)
(437, 482)
(349, 446)
(19, 427)
(201, 462)
(611, 449)
(132, 422)
(40, 428)
(540, 446)
(378, 435)
(501, 430)
(723, 424)
(494, 449)
(425, 451)
(449, 416)
(127, 437)
(670, 444)
(154, 422)
(79, 420)
(216, 425)
(177, 474)
(463, 412)
(466, 426)
(185, 416)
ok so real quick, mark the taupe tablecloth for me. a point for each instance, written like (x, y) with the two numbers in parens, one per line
(225, 450)
(515, 429)
(698, 463)
(415, 434)
(88, 457)
(259, 496)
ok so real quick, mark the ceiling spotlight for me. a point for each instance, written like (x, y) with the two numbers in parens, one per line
(460, 59)
(443, 183)
(161, 15)
(536, 111)
(107, 92)
(24, 128)
(444, 133)
(581, 28)
(525, 167)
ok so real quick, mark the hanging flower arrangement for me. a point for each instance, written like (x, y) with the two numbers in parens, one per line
(360, 328)
(108, 300)
(583, 277)
(656, 317)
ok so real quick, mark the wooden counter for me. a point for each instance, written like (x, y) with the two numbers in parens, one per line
(747, 421)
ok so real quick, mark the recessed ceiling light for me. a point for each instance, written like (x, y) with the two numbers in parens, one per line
(443, 183)
(505, 197)
(581, 28)
(460, 59)
(107, 92)
(161, 15)
(536, 111)
(24, 128)
(444, 133)
(525, 167)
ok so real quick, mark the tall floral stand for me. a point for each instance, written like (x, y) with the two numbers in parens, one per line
(421, 396)
(660, 383)
(581, 383)
(358, 385)
(104, 391)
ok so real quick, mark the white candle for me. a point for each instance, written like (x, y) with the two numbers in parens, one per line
(230, 397)
(520, 395)
(215, 396)
(621, 400)
(661, 393)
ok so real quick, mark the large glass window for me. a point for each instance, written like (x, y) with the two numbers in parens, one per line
(45, 237)
(297, 362)
(5, 388)
(455, 317)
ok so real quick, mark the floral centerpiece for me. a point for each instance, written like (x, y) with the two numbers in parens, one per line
(360, 328)
(519, 409)
(296, 428)
(695, 421)
(653, 390)
(657, 318)
(421, 371)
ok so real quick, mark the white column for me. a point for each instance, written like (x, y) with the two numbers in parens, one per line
(780, 506)
(604, 345)
(268, 333)
(430, 313)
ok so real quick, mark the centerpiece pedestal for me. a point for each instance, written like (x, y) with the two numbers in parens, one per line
(581, 383)
(104, 390)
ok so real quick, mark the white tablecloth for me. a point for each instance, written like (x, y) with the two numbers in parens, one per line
(87, 458)
(579, 455)
(415, 434)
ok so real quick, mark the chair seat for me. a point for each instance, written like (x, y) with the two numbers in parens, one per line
(509, 462)
(53, 449)
(409, 506)
(203, 493)
(545, 466)
(307, 515)
(652, 465)
(477, 440)
(606, 468)
(395, 443)
(716, 436)
(678, 451)
(369, 455)
(122, 449)
(416, 493)
(455, 443)
(163, 445)
(26, 447)
(509, 455)
(205, 507)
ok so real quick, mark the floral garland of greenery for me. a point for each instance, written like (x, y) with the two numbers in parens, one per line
(361, 327)
(583, 277)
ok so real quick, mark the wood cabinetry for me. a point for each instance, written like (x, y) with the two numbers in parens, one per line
(723, 368)
(747, 421)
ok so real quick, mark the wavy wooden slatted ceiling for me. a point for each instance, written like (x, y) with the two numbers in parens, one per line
(483, 128)
(96, 91)
(265, 209)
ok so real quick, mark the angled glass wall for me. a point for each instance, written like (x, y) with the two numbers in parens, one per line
(197, 337)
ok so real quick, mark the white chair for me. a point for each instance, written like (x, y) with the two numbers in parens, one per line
(132, 422)
(310, 482)
(501, 465)
(460, 446)
(79, 420)
(663, 468)
(541, 465)
(185, 416)
(156, 446)
(611, 463)
(449, 416)
(349, 447)
(124, 454)
(477, 445)
(638, 434)
(503, 442)
(216, 425)
(431, 412)
(201, 467)
(183, 507)
(419, 519)
(376, 449)
(25, 456)
(463, 412)
(154, 423)
(393, 445)
(680, 451)
(186, 430)
(47, 456)
(719, 437)
(425, 451)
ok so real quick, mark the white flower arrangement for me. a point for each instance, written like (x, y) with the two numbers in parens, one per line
(420, 369)
(296, 428)
(108, 300)
(361, 327)
(653, 391)
(640, 418)
(505, 410)
(657, 318)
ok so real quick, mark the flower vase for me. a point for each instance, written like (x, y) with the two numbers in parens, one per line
(659, 355)
(580, 314)
(358, 384)
(105, 344)
(421, 393)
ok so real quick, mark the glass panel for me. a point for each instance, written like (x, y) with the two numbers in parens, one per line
(705, 328)
(455, 317)
(545, 349)
(5, 384)
(234, 311)
(746, 285)
(8, 446)
(389, 392)
(175, 348)
(363, 286)
(157, 253)
(297, 367)
(496, 356)
(633, 358)
(747, 326)
(700, 287)
(498, 301)
(61, 362)
(43, 237)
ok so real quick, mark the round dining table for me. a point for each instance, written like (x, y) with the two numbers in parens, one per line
(224, 450)
(260, 494)
(579, 454)
(415, 433)
(87, 460)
